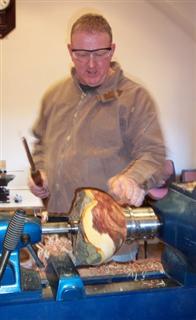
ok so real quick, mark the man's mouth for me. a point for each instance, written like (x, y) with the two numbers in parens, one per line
(92, 73)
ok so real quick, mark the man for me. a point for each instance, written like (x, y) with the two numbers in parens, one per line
(98, 128)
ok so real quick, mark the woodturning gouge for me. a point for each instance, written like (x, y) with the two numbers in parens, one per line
(35, 173)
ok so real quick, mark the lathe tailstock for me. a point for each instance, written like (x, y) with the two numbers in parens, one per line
(63, 293)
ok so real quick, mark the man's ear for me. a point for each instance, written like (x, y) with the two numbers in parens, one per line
(113, 46)
(69, 48)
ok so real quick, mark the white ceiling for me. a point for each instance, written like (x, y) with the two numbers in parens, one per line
(181, 12)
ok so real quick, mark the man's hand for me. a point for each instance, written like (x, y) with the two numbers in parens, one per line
(43, 216)
(126, 190)
(40, 192)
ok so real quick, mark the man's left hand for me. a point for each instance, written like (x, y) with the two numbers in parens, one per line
(126, 190)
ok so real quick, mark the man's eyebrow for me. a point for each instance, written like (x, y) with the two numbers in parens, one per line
(87, 50)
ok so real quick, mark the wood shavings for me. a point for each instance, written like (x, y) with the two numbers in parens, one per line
(128, 268)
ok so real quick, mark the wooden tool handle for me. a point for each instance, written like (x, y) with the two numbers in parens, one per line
(35, 174)
(37, 178)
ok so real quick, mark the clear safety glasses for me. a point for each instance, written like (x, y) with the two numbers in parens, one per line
(84, 55)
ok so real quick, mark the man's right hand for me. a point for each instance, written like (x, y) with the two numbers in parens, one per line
(39, 191)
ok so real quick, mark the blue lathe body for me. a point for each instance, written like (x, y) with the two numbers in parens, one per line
(66, 295)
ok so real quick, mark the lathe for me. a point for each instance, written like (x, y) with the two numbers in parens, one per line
(65, 294)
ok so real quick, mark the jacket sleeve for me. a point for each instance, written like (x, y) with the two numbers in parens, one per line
(40, 127)
(39, 132)
(144, 140)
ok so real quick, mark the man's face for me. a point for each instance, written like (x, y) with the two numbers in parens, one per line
(91, 67)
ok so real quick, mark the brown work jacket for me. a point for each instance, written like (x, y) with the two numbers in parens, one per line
(83, 139)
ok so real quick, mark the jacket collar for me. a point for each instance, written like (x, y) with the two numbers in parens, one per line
(108, 90)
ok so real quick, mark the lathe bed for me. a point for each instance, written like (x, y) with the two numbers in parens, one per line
(140, 271)
(112, 277)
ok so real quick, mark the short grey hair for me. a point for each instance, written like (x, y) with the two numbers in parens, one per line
(92, 23)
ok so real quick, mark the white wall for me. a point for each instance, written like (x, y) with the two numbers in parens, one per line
(150, 47)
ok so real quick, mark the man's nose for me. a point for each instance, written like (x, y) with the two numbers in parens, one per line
(91, 61)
